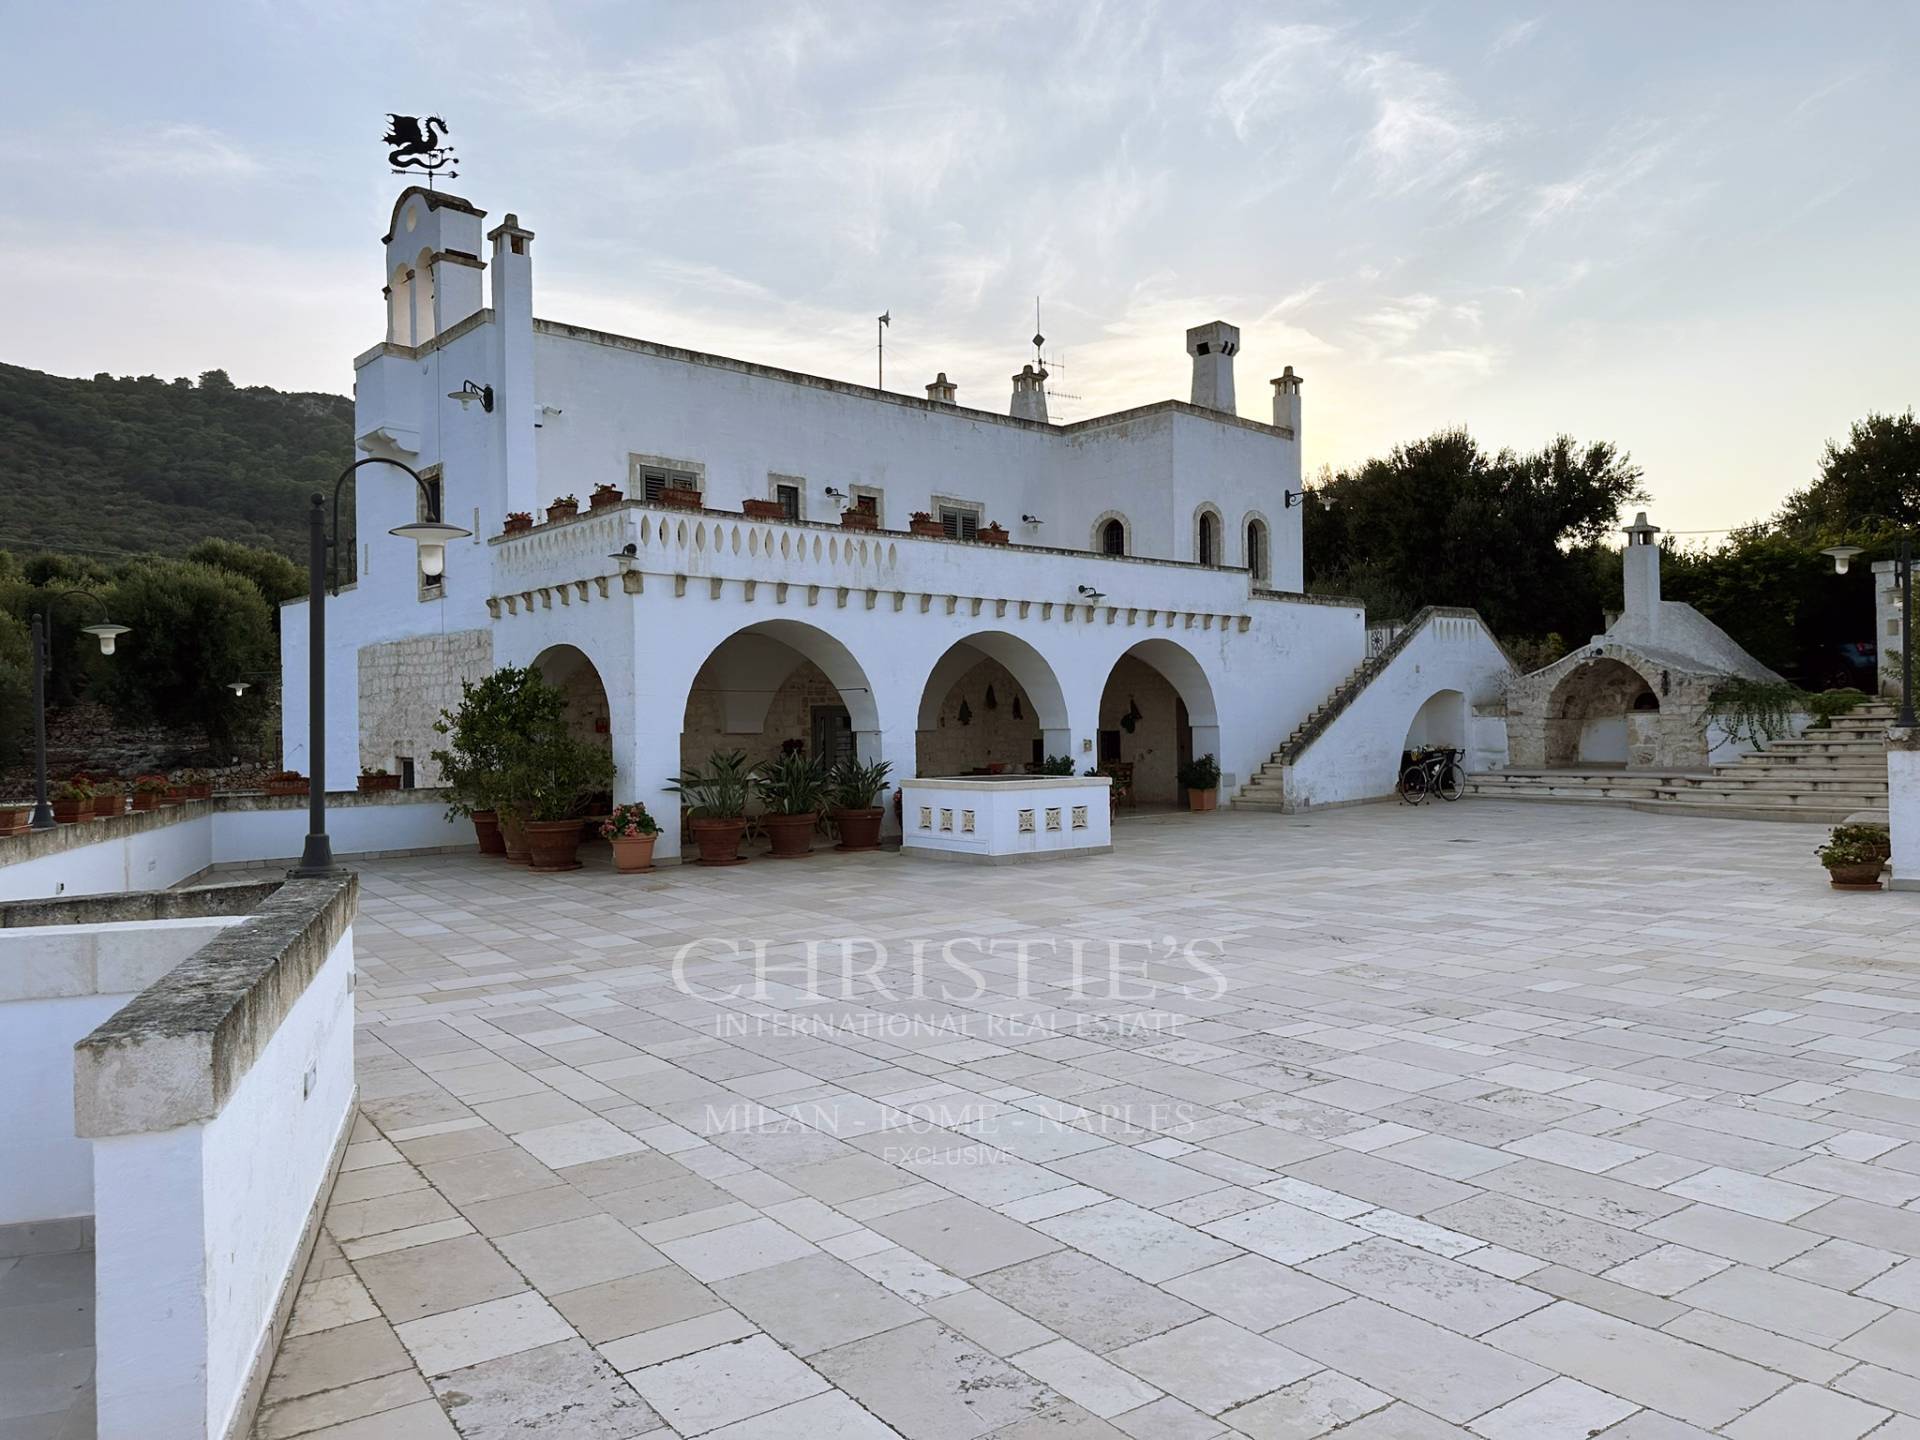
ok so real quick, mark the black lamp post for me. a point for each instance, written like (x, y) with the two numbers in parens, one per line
(106, 632)
(431, 535)
(1903, 575)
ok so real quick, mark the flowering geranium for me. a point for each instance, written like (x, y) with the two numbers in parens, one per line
(629, 822)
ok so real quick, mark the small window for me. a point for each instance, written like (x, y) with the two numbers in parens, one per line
(959, 524)
(789, 498)
(868, 502)
(1113, 538)
(658, 480)
(1257, 549)
(1209, 541)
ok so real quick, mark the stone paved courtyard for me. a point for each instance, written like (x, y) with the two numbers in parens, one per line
(1520, 1122)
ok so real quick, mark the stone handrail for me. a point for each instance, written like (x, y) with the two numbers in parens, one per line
(1297, 743)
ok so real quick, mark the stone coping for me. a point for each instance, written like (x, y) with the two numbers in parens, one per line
(35, 844)
(988, 783)
(197, 903)
(174, 1053)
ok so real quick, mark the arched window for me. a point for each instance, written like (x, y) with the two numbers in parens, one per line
(1209, 546)
(1257, 549)
(1113, 538)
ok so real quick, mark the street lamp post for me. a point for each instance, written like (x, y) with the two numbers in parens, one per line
(1903, 575)
(106, 632)
(431, 535)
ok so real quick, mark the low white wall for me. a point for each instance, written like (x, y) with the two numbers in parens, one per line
(992, 821)
(163, 847)
(1903, 807)
(217, 1102)
(57, 982)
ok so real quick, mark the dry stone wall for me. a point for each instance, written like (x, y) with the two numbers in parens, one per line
(404, 685)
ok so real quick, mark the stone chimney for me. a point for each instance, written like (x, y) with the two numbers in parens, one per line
(1213, 348)
(1029, 394)
(1640, 570)
(1286, 401)
(942, 390)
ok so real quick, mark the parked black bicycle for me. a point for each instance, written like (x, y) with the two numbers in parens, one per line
(1435, 771)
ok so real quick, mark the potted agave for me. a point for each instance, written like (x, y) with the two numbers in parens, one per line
(794, 789)
(564, 507)
(375, 777)
(631, 831)
(1202, 779)
(716, 803)
(73, 801)
(149, 792)
(1855, 855)
(857, 810)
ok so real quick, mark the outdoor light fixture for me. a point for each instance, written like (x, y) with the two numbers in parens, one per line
(239, 687)
(834, 493)
(432, 537)
(1842, 556)
(470, 392)
(1293, 497)
(625, 555)
(40, 637)
(1093, 594)
(1031, 520)
(105, 633)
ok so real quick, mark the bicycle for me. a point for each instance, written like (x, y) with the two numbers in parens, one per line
(1433, 772)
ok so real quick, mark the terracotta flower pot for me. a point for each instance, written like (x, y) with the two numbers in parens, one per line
(792, 835)
(73, 812)
(604, 498)
(553, 844)
(562, 512)
(719, 840)
(371, 783)
(633, 853)
(763, 509)
(146, 800)
(1864, 876)
(513, 836)
(681, 499)
(854, 518)
(517, 524)
(201, 791)
(991, 535)
(930, 529)
(486, 829)
(13, 819)
(860, 829)
(1199, 800)
(285, 787)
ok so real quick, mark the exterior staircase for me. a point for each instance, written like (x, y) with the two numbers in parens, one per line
(1265, 789)
(1822, 775)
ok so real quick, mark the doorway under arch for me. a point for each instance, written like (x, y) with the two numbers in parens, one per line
(1600, 714)
(775, 686)
(1156, 713)
(991, 704)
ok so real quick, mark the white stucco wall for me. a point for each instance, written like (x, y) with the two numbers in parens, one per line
(1903, 808)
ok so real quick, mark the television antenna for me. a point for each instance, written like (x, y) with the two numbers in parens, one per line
(1048, 367)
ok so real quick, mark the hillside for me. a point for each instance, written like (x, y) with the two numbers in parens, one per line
(145, 464)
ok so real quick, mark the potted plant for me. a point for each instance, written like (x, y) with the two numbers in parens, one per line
(375, 777)
(564, 507)
(716, 805)
(994, 534)
(73, 801)
(109, 799)
(285, 782)
(1855, 855)
(605, 497)
(631, 831)
(191, 785)
(1202, 779)
(518, 521)
(149, 792)
(763, 510)
(858, 517)
(922, 522)
(493, 714)
(794, 790)
(856, 791)
(549, 776)
(680, 497)
(1055, 765)
(13, 818)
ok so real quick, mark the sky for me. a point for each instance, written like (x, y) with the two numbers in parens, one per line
(1689, 228)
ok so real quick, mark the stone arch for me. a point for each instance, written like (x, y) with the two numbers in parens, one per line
(1028, 705)
(1596, 715)
(1209, 534)
(1157, 711)
(1440, 719)
(1256, 541)
(1103, 534)
(777, 681)
(589, 714)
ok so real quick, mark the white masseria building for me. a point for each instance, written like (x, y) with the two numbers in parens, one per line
(1147, 607)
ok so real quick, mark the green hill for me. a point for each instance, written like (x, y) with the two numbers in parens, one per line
(145, 464)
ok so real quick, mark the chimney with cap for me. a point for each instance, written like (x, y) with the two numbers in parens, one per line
(1286, 401)
(942, 390)
(1030, 395)
(1213, 348)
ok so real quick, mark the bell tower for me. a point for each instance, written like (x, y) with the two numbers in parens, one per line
(433, 264)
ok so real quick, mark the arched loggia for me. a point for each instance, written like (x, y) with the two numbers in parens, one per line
(777, 684)
(1157, 711)
(990, 702)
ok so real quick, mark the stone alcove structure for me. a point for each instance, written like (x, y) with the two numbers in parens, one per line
(1636, 697)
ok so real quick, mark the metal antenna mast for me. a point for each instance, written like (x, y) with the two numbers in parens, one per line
(880, 348)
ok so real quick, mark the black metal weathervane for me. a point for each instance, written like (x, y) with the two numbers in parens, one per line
(419, 143)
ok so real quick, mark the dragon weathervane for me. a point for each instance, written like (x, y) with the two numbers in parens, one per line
(419, 143)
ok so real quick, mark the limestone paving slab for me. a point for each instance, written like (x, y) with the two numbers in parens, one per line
(1502, 1120)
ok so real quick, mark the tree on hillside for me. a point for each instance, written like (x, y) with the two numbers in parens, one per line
(1443, 522)
(1866, 487)
(277, 578)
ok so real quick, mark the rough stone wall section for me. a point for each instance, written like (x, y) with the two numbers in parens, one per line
(404, 685)
(1541, 726)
